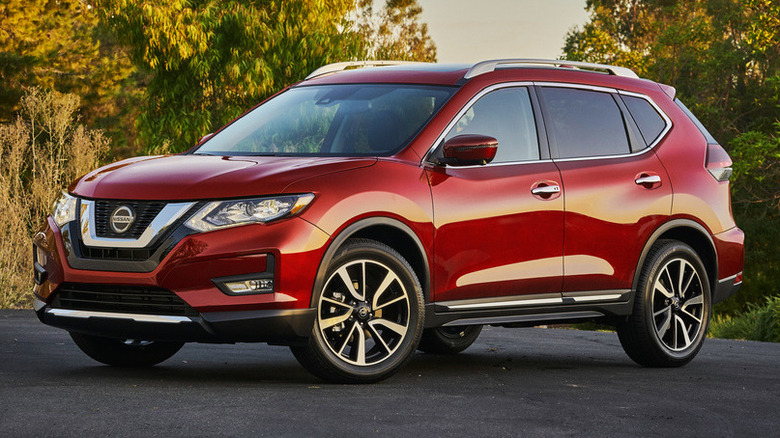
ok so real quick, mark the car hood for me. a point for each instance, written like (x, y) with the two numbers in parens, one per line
(189, 177)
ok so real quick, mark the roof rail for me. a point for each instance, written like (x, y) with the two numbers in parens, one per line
(339, 66)
(489, 66)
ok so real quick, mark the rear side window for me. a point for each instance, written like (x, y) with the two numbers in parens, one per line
(650, 123)
(585, 123)
(505, 114)
(707, 135)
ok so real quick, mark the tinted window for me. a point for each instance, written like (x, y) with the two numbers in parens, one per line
(585, 123)
(355, 119)
(650, 123)
(505, 114)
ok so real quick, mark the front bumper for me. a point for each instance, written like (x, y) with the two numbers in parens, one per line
(194, 271)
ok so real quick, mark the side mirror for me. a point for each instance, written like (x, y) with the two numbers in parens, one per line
(469, 150)
(204, 138)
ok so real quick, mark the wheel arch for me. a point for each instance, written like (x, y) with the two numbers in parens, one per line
(691, 233)
(392, 233)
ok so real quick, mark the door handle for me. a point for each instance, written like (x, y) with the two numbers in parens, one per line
(648, 179)
(546, 190)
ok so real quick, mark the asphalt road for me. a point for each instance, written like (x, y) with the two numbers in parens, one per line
(511, 382)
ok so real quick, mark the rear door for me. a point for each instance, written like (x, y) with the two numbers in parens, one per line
(616, 192)
(497, 243)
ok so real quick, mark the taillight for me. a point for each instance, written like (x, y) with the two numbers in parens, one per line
(718, 162)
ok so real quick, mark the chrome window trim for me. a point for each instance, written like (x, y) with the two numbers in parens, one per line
(138, 317)
(494, 87)
(463, 111)
(647, 149)
(167, 216)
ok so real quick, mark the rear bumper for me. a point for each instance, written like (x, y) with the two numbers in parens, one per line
(726, 288)
(286, 326)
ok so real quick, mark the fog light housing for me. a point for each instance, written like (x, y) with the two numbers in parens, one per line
(260, 283)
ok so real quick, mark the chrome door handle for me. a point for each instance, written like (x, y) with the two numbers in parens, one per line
(650, 179)
(546, 190)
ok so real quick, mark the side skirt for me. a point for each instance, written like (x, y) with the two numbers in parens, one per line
(530, 310)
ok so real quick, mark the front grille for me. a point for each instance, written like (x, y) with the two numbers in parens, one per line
(125, 299)
(145, 212)
(116, 254)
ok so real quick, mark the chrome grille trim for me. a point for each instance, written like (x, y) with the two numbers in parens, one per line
(167, 216)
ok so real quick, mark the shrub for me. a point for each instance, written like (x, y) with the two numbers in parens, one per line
(759, 323)
(41, 151)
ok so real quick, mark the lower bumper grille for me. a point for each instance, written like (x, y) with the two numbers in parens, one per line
(125, 299)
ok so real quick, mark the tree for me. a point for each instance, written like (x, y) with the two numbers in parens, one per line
(60, 45)
(395, 32)
(209, 60)
(723, 56)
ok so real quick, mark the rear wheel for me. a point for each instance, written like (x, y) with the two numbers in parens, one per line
(125, 352)
(449, 340)
(369, 316)
(671, 308)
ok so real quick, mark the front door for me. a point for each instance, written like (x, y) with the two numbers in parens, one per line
(498, 238)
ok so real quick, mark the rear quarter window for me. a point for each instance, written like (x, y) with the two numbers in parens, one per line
(650, 123)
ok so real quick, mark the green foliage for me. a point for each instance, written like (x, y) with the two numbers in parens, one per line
(759, 323)
(208, 61)
(723, 56)
(756, 157)
(60, 45)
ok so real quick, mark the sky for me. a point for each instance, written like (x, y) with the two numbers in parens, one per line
(467, 31)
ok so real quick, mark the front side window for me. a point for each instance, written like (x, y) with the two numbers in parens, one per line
(324, 120)
(585, 123)
(505, 114)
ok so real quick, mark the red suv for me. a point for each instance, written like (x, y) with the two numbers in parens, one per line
(365, 213)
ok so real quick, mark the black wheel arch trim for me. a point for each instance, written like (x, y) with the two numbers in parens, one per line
(361, 224)
(668, 226)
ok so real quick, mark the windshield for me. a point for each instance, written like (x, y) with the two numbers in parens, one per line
(347, 120)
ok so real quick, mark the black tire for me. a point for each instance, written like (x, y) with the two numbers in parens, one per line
(671, 308)
(125, 353)
(369, 315)
(449, 340)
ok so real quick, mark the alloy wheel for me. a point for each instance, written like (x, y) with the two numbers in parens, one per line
(363, 312)
(678, 305)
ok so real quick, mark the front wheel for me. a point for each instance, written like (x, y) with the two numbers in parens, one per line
(671, 308)
(369, 316)
(125, 352)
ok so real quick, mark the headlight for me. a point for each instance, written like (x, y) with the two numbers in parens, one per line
(64, 209)
(223, 214)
